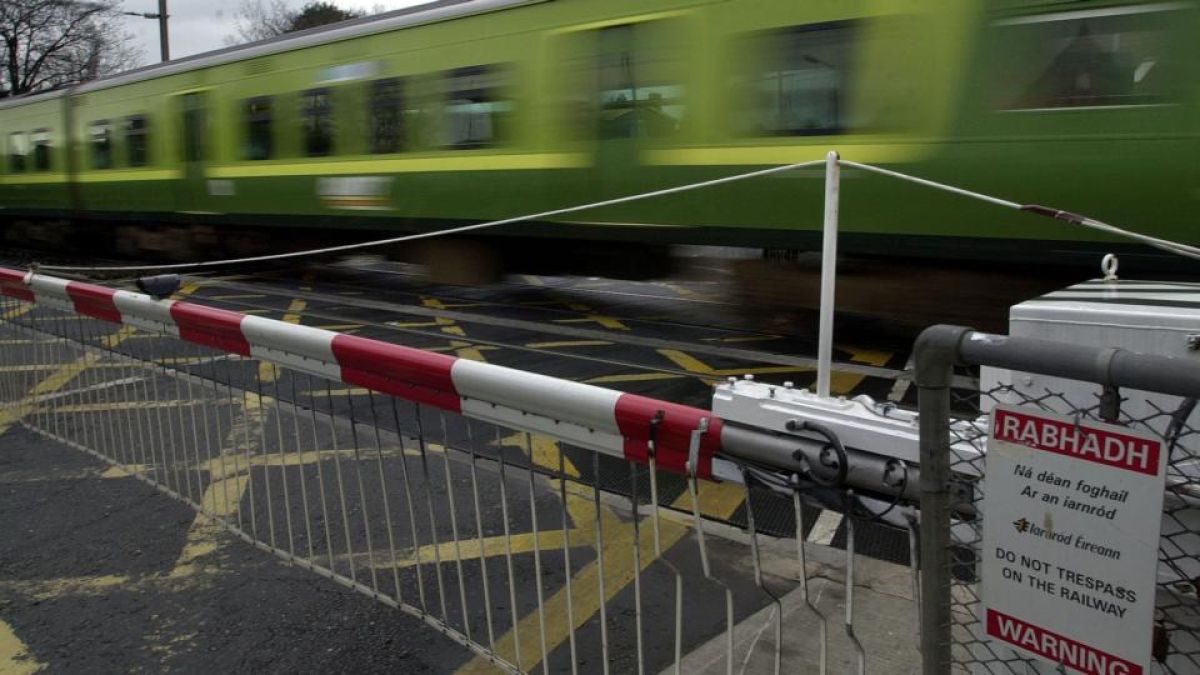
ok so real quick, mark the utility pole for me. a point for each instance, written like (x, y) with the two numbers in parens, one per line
(163, 40)
(164, 46)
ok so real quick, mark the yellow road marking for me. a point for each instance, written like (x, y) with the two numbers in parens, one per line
(532, 279)
(461, 348)
(683, 291)
(434, 303)
(21, 310)
(694, 365)
(352, 391)
(456, 345)
(114, 471)
(633, 377)
(48, 589)
(60, 378)
(745, 338)
(568, 343)
(618, 571)
(612, 323)
(15, 658)
(844, 383)
(305, 457)
(119, 405)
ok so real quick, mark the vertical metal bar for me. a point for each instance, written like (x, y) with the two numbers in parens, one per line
(435, 540)
(603, 598)
(804, 594)
(204, 459)
(337, 470)
(141, 417)
(567, 571)
(87, 383)
(635, 516)
(235, 439)
(412, 513)
(462, 585)
(858, 648)
(265, 451)
(537, 557)
(387, 508)
(828, 272)
(936, 351)
(362, 497)
(308, 535)
(86, 433)
(247, 446)
(312, 399)
(693, 487)
(156, 424)
(914, 562)
(187, 479)
(283, 469)
(130, 375)
(652, 462)
(512, 581)
(756, 558)
(483, 570)
(170, 454)
(221, 402)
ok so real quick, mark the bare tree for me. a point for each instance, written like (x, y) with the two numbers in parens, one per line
(262, 19)
(259, 20)
(55, 43)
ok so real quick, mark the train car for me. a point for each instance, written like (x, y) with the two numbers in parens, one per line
(463, 111)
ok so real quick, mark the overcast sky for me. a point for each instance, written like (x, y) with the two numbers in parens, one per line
(202, 25)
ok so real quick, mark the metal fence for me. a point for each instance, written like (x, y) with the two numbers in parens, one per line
(465, 494)
(1146, 394)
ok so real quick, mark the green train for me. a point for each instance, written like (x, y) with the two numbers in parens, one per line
(462, 111)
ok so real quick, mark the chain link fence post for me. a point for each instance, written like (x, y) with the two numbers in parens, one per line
(935, 351)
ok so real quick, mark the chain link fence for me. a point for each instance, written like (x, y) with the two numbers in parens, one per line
(1152, 395)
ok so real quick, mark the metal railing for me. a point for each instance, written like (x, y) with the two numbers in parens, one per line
(1137, 392)
(465, 494)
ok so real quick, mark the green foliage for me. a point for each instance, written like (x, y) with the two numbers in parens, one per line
(319, 13)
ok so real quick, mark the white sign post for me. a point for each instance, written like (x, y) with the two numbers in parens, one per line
(1072, 514)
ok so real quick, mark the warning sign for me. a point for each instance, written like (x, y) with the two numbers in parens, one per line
(1070, 540)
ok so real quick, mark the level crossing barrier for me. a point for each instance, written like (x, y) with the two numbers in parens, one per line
(1058, 397)
(467, 495)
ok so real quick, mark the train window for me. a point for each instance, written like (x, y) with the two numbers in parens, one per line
(477, 106)
(41, 150)
(317, 122)
(799, 83)
(258, 128)
(18, 148)
(1105, 57)
(135, 139)
(100, 133)
(387, 116)
(640, 84)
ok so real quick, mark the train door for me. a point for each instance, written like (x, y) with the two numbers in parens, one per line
(640, 96)
(193, 148)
